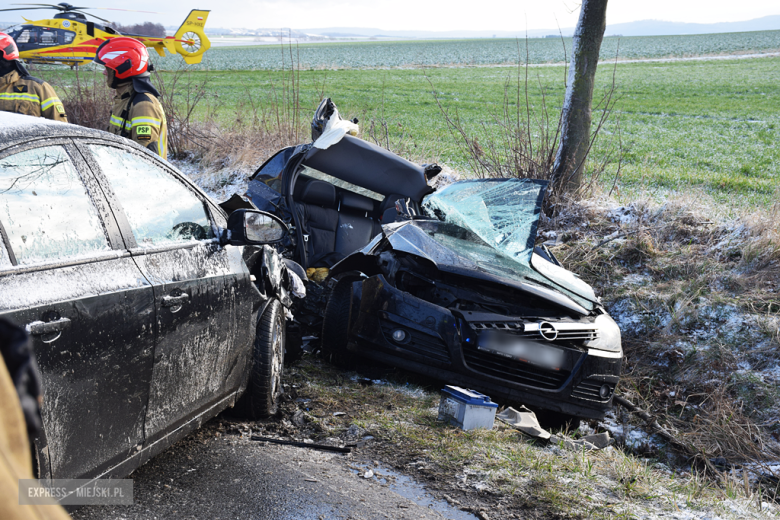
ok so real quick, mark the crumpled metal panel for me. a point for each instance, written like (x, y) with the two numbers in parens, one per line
(276, 275)
(502, 212)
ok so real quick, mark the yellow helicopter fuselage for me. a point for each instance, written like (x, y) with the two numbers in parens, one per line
(74, 41)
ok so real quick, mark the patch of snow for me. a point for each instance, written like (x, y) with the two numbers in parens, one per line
(624, 215)
(636, 279)
(625, 314)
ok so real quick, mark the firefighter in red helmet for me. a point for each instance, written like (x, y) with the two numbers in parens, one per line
(137, 113)
(22, 93)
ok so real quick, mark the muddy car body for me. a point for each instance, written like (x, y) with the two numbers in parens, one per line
(145, 314)
(444, 283)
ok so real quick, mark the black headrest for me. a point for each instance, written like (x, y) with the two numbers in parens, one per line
(319, 193)
(354, 201)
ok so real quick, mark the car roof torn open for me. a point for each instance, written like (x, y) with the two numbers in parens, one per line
(369, 166)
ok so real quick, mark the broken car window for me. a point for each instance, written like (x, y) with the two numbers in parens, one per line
(270, 173)
(45, 209)
(504, 213)
(159, 207)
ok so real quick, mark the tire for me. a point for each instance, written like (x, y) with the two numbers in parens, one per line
(293, 343)
(261, 397)
(335, 324)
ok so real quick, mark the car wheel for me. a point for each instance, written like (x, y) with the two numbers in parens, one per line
(335, 324)
(293, 344)
(265, 382)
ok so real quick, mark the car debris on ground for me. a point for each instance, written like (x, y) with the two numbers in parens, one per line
(466, 409)
(597, 441)
(524, 420)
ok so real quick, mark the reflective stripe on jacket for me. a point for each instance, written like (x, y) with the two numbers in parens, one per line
(145, 120)
(30, 96)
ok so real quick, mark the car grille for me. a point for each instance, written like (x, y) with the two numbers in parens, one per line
(533, 330)
(422, 344)
(589, 389)
(513, 370)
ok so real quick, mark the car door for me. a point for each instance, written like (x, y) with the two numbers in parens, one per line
(204, 297)
(66, 277)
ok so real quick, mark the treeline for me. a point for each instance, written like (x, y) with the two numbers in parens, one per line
(142, 29)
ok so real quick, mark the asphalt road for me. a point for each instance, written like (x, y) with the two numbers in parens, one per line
(215, 474)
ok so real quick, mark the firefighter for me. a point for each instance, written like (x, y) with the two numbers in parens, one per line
(137, 113)
(22, 93)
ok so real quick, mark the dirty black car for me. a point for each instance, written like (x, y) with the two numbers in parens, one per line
(150, 310)
(447, 283)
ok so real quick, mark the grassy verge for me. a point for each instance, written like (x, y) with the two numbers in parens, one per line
(697, 302)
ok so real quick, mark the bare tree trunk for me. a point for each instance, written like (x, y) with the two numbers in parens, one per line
(576, 116)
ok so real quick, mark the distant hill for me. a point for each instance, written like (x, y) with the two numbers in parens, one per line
(661, 28)
(363, 32)
(638, 28)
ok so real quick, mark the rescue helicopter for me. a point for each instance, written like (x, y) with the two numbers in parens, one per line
(70, 39)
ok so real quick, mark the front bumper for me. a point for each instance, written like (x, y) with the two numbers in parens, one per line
(442, 345)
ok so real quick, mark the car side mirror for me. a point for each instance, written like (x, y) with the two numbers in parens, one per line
(253, 227)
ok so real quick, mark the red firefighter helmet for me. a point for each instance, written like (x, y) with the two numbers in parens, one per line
(8, 47)
(127, 57)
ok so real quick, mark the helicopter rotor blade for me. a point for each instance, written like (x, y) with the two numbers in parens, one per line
(92, 15)
(24, 8)
(74, 8)
(126, 10)
(50, 6)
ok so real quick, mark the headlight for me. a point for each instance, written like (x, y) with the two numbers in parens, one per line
(608, 335)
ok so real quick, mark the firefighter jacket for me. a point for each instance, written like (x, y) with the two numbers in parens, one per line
(30, 96)
(15, 458)
(139, 117)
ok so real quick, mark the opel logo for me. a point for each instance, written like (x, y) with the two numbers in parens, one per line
(548, 331)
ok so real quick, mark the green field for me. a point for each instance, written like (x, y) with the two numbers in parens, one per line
(434, 53)
(709, 125)
(713, 125)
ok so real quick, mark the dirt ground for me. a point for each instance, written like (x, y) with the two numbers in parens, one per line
(218, 472)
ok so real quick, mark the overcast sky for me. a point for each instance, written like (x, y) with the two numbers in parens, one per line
(442, 15)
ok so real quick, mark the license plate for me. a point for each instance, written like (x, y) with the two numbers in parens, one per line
(520, 349)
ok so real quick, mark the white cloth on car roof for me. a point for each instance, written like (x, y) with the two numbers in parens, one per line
(335, 129)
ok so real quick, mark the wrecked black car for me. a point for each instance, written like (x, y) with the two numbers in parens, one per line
(444, 283)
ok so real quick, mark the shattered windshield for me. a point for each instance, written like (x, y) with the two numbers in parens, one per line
(504, 213)
(492, 224)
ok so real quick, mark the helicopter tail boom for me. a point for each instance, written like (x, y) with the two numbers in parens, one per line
(191, 40)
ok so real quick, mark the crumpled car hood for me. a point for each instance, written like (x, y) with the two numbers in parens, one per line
(444, 245)
(486, 228)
